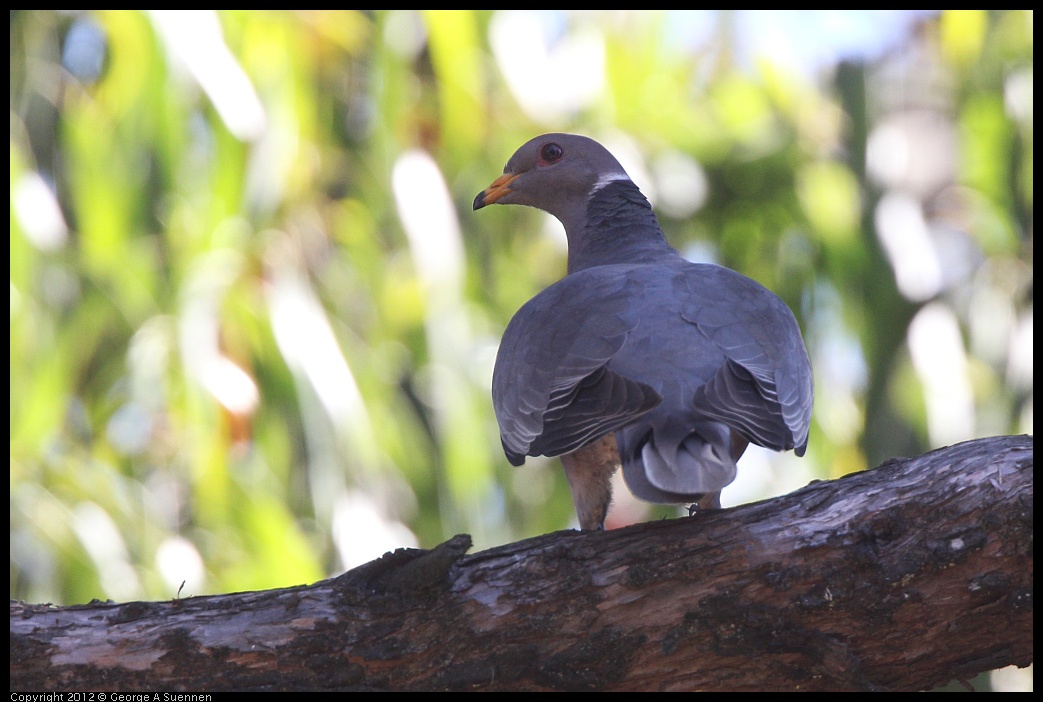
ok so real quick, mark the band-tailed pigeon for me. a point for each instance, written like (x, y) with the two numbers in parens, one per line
(638, 355)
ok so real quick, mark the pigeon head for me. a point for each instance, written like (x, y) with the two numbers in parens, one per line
(557, 173)
(607, 220)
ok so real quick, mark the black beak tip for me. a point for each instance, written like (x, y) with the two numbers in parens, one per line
(479, 202)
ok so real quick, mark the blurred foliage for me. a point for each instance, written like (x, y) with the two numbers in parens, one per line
(253, 318)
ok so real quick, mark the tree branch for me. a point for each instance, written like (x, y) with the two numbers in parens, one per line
(903, 577)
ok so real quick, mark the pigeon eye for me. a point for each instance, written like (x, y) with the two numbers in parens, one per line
(551, 153)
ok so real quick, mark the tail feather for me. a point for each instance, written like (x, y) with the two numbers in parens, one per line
(673, 469)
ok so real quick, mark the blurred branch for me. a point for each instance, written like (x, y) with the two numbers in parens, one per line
(903, 577)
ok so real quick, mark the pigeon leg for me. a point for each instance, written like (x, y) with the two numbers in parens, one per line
(589, 471)
(708, 500)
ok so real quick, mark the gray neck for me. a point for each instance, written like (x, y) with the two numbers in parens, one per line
(620, 227)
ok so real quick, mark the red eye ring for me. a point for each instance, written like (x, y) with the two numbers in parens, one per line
(551, 152)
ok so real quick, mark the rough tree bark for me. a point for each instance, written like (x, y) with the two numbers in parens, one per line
(903, 577)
